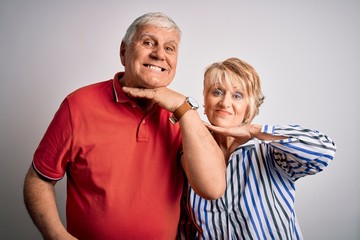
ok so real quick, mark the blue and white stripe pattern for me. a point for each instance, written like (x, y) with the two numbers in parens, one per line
(259, 199)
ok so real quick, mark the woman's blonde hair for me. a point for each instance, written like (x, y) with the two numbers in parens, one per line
(238, 73)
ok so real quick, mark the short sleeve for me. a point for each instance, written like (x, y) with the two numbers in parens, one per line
(53, 153)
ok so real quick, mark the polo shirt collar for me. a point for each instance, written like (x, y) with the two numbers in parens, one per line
(119, 95)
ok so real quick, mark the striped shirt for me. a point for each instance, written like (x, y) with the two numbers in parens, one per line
(259, 199)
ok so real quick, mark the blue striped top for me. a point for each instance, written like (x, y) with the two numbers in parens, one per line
(259, 199)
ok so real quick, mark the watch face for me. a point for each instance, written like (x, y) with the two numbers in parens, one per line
(193, 103)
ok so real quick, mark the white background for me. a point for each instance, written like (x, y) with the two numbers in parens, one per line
(306, 52)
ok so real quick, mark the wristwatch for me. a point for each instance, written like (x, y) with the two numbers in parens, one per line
(189, 104)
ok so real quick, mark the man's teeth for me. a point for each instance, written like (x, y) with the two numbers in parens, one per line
(154, 68)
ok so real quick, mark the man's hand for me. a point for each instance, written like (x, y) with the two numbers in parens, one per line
(164, 97)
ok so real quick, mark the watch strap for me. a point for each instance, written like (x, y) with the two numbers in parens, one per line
(180, 111)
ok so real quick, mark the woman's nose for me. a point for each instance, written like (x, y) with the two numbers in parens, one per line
(225, 101)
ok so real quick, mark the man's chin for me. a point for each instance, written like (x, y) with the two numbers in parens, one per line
(156, 83)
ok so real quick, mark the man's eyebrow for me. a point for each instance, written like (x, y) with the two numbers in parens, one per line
(149, 34)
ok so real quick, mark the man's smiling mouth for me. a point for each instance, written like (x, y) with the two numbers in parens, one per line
(156, 68)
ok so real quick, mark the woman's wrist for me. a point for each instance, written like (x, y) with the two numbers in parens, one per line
(254, 130)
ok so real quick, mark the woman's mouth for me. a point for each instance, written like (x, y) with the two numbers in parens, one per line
(223, 112)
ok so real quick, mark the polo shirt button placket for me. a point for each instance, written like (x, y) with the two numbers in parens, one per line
(143, 132)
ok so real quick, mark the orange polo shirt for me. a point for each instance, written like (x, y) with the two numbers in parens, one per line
(124, 178)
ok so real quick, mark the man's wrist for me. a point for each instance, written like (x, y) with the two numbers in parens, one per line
(189, 104)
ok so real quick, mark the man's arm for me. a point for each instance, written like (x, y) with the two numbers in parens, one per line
(40, 201)
(202, 159)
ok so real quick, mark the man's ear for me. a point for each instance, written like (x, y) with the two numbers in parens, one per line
(122, 53)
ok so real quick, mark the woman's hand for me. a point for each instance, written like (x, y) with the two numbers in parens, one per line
(241, 134)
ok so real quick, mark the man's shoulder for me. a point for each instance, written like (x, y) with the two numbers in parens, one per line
(97, 88)
(91, 94)
(93, 89)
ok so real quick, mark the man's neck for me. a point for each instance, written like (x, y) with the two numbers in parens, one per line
(145, 104)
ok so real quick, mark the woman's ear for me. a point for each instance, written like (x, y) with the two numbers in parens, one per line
(247, 113)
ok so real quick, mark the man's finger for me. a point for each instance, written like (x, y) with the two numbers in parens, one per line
(139, 92)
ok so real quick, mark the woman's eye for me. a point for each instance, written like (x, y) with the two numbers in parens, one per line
(238, 96)
(217, 92)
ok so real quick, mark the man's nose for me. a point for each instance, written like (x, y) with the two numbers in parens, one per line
(158, 53)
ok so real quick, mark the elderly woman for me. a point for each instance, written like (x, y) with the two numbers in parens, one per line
(263, 163)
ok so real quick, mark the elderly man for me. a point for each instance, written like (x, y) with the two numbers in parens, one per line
(125, 161)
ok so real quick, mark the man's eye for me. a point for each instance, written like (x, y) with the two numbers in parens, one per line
(148, 43)
(169, 49)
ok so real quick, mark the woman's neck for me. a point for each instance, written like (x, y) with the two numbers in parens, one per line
(225, 143)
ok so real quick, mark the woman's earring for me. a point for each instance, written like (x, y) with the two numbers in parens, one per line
(204, 110)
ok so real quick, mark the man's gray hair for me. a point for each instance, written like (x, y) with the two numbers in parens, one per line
(156, 19)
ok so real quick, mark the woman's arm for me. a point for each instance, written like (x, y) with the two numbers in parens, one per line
(296, 151)
(303, 151)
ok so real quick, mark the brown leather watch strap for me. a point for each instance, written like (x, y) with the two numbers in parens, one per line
(189, 104)
(180, 111)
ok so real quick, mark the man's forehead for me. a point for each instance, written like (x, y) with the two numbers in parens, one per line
(171, 35)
